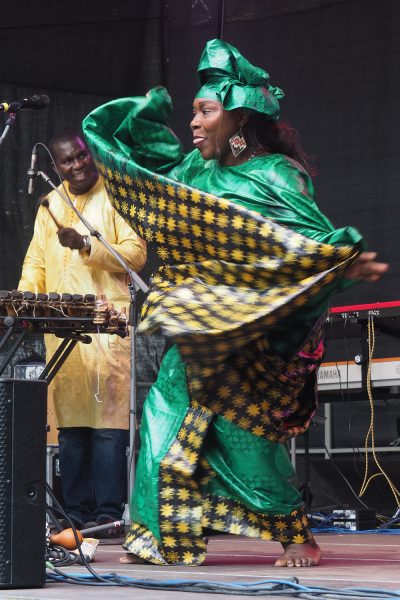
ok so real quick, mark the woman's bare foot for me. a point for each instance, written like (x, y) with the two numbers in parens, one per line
(300, 555)
(132, 559)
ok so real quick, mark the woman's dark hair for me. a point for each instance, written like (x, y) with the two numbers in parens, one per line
(277, 138)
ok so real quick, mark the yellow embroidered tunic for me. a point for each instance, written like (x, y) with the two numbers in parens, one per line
(92, 386)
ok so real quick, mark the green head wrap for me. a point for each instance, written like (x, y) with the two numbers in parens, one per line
(229, 78)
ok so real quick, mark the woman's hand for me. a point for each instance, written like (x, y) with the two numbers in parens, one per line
(366, 268)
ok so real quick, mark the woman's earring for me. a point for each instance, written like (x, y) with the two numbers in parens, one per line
(238, 143)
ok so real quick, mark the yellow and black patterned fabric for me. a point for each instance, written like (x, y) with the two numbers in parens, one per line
(229, 276)
(184, 511)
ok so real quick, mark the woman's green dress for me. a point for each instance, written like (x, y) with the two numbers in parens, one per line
(221, 464)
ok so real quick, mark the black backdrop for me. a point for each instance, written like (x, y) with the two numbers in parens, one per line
(337, 61)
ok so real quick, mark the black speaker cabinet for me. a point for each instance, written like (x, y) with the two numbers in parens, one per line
(23, 405)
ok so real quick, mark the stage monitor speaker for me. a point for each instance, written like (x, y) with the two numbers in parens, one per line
(22, 483)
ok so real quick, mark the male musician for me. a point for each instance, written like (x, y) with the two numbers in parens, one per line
(91, 391)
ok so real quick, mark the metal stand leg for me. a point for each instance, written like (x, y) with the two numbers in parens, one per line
(293, 451)
(131, 453)
(307, 493)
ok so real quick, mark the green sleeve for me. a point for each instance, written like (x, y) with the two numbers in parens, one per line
(292, 187)
(289, 200)
(138, 127)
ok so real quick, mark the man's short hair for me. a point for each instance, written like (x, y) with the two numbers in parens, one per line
(66, 135)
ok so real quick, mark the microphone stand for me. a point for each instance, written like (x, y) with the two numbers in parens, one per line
(12, 117)
(135, 283)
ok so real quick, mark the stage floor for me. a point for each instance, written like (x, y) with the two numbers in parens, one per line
(359, 560)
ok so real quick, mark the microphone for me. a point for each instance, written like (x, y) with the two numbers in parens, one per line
(35, 102)
(32, 171)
